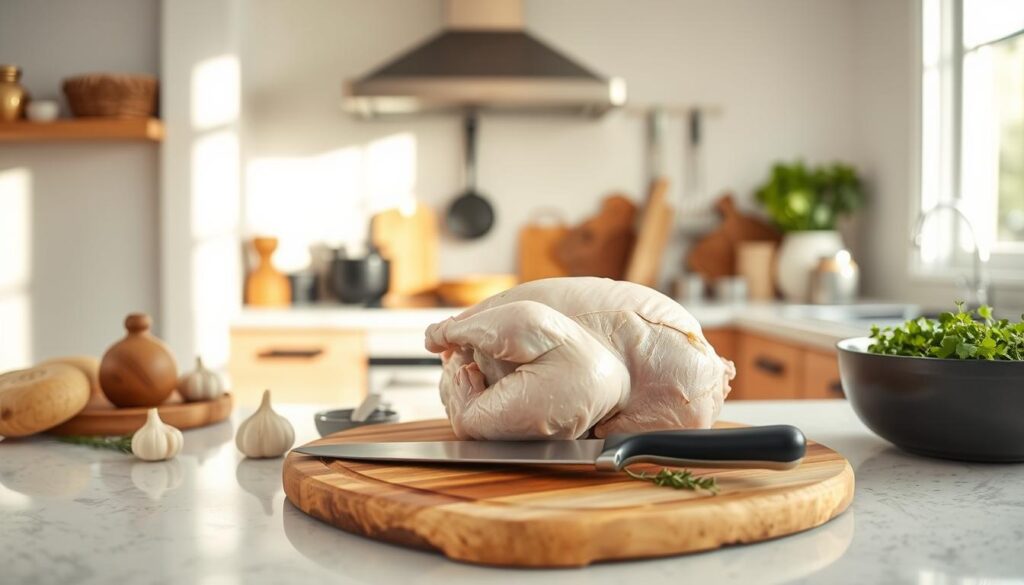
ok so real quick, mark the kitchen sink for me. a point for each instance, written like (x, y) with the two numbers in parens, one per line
(880, 313)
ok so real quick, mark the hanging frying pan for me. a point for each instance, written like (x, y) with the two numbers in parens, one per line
(470, 215)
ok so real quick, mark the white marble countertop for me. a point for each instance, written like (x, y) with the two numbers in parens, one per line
(777, 319)
(71, 514)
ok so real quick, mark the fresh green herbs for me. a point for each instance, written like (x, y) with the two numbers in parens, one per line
(682, 479)
(965, 335)
(800, 198)
(122, 444)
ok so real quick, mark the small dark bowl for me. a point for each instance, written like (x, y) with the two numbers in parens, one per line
(970, 410)
(360, 280)
(333, 421)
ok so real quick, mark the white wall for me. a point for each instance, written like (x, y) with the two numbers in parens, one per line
(90, 247)
(782, 72)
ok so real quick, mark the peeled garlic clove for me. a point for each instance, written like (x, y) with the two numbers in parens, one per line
(156, 441)
(265, 433)
(200, 384)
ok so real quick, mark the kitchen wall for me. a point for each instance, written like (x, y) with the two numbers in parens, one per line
(78, 222)
(782, 74)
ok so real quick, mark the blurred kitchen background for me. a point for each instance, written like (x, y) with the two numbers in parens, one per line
(331, 135)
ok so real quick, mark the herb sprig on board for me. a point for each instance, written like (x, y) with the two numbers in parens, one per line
(965, 335)
(682, 479)
(122, 444)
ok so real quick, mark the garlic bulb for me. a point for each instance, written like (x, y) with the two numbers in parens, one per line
(200, 384)
(156, 441)
(265, 433)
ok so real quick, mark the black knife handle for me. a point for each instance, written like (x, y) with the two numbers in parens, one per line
(767, 447)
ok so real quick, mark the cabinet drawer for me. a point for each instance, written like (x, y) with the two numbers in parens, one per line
(766, 369)
(821, 376)
(298, 366)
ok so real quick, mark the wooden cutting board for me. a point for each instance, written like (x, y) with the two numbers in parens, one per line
(550, 516)
(110, 421)
(714, 256)
(601, 245)
(409, 241)
(652, 237)
(537, 241)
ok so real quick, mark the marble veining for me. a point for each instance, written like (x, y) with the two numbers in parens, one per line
(70, 514)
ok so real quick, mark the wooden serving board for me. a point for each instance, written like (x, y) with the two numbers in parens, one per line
(110, 421)
(550, 516)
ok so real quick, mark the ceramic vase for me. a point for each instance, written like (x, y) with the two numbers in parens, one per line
(798, 256)
(138, 370)
(13, 96)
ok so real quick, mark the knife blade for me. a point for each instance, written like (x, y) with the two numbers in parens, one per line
(766, 447)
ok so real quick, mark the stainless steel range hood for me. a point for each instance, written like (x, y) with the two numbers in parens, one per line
(483, 60)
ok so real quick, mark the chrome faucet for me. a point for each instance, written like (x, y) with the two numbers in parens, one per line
(979, 289)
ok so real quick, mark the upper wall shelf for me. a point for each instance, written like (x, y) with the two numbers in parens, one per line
(147, 129)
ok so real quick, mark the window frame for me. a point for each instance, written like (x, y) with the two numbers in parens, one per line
(1006, 260)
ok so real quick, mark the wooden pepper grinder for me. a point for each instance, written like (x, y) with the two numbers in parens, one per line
(139, 370)
(266, 286)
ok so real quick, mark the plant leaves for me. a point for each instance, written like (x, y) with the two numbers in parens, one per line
(960, 335)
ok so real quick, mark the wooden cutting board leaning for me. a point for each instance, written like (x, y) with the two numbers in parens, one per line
(537, 241)
(655, 229)
(410, 243)
(556, 516)
(714, 256)
(601, 245)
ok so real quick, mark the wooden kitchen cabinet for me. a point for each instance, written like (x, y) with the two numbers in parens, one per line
(298, 365)
(772, 369)
(766, 368)
(723, 339)
(820, 376)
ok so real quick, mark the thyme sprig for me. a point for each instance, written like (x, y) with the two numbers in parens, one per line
(119, 443)
(682, 479)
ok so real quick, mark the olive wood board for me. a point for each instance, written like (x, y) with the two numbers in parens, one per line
(558, 515)
(110, 420)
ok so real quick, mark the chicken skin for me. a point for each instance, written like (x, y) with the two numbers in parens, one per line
(559, 357)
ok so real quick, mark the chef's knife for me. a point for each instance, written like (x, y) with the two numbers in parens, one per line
(768, 447)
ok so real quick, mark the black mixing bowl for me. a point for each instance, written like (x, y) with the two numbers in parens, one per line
(360, 280)
(971, 410)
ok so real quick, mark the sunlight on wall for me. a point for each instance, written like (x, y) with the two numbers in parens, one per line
(216, 195)
(216, 267)
(15, 268)
(216, 278)
(328, 198)
(391, 171)
(216, 88)
(215, 206)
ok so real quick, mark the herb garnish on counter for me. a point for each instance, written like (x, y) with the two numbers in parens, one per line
(122, 444)
(683, 479)
(966, 335)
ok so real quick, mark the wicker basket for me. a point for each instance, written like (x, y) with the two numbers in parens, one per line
(111, 96)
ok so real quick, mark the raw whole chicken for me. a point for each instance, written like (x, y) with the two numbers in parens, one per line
(555, 358)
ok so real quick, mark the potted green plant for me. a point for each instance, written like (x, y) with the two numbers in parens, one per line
(806, 203)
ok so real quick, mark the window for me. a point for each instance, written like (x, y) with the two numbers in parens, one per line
(972, 129)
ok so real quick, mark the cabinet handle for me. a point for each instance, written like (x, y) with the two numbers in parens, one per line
(307, 354)
(767, 364)
(836, 387)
